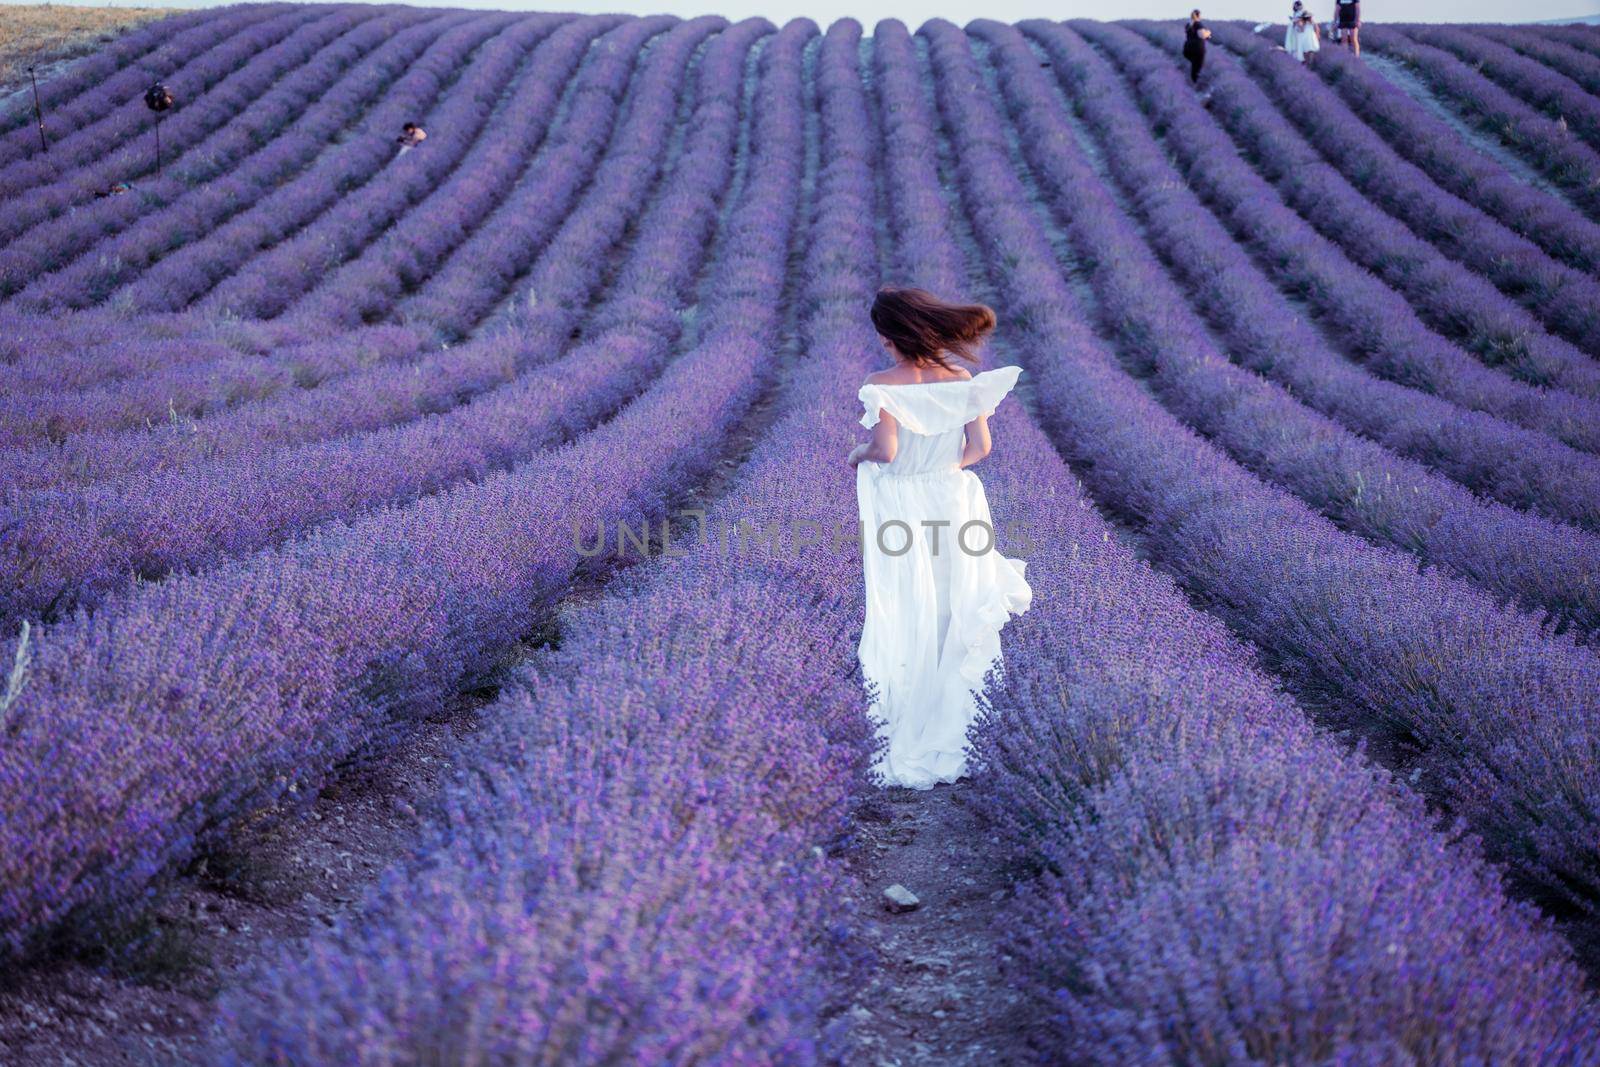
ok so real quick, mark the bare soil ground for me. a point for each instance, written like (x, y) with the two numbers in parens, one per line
(938, 992)
(50, 36)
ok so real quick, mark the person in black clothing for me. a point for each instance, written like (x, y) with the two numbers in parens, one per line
(1348, 21)
(1194, 45)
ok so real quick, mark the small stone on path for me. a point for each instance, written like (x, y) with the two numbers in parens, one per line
(897, 898)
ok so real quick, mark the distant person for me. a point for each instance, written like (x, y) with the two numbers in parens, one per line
(1301, 39)
(1195, 36)
(1347, 21)
(411, 135)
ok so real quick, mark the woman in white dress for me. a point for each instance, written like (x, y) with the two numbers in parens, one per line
(938, 590)
(1301, 39)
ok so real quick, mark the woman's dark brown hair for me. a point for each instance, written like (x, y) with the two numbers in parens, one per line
(922, 327)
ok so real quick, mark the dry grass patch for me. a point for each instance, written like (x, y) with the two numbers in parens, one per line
(51, 35)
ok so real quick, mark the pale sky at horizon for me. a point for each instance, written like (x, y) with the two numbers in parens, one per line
(915, 12)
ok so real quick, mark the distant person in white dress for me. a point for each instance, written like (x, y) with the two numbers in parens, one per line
(938, 590)
(1301, 40)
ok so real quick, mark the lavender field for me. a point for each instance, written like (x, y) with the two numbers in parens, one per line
(469, 481)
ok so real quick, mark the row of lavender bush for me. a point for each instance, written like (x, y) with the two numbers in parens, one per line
(109, 80)
(69, 548)
(1452, 164)
(1516, 466)
(45, 352)
(1364, 487)
(1571, 165)
(471, 283)
(28, 339)
(93, 363)
(276, 277)
(1125, 718)
(616, 889)
(368, 285)
(189, 272)
(1448, 295)
(1380, 324)
(551, 291)
(1500, 709)
(97, 80)
(271, 669)
(623, 929)
(374, 396)
(366, 402)
(1582, 37)
(75, 259)
(185, 388)
(88, 161)
(1580, 66)
(1546, 89)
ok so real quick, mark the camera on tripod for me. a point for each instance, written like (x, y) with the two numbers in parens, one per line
(158, 98)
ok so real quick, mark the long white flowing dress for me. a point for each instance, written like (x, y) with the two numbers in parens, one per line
(1301, 42)
(937, 595)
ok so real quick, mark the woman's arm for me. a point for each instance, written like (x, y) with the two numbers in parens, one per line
(978, 442)
(884, 444)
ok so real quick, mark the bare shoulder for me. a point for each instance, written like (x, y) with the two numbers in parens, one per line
(912, 376)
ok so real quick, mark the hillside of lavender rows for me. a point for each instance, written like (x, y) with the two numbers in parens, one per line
(1296, 757)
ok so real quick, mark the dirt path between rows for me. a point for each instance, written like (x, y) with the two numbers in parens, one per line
(938, 994)
(936, 991)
